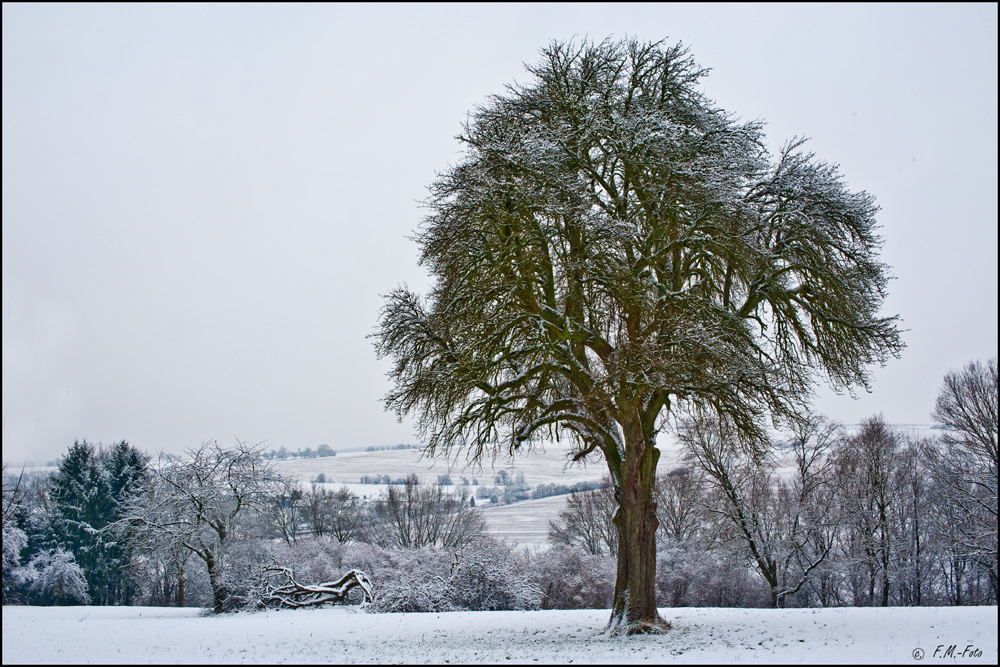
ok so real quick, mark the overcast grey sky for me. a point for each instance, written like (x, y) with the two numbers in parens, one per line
(203, 204)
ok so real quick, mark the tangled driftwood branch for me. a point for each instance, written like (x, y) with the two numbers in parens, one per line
(292, 594)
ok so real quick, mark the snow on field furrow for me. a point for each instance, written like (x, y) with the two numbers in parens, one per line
(525, 523)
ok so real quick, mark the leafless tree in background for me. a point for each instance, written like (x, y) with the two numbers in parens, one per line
(866, 463)
(14, 538)
(679, 504)
(965, 465)
(778, 522)
(588, 522)
(334, 513)
(413, 515)
(205, 502)
(288, 507)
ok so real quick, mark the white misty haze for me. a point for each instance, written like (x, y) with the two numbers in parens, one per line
(203, 204)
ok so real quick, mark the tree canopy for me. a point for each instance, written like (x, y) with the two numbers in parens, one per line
(613, 247)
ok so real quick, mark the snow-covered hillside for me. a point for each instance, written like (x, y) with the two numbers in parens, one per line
(143, 635)
(542, 465)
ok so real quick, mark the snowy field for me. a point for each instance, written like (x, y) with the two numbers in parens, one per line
(539, 466)
(346, 635)
(525, 523)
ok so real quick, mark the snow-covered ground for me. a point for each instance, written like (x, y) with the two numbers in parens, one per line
(343, 635)
(541, 465)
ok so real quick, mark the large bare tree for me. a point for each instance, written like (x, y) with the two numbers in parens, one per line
(204, 502)
(965, 465)
(612, 244)
(777, 522)
(870, 486)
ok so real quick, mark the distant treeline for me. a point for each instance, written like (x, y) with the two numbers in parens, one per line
(307, 453)
(322, 450)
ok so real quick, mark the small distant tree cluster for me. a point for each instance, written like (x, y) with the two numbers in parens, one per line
(552, 489)
(283, 453)
(376, 479)
(504, 478)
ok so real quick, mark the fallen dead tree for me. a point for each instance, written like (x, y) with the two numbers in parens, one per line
(281, 590)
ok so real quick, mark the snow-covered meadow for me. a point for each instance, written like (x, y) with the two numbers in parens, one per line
(348, 635)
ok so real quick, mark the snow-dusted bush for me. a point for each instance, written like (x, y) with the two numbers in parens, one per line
(241, 578)
(571, 578)
(53, 577)
(724, 579)
(14, 540)
(489, 576)
(409, 592)
(406, 579)
(486, 575)
(682, 574)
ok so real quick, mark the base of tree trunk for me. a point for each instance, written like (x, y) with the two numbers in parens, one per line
(616, 628)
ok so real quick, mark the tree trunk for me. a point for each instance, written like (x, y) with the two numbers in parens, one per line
(180, 584)
(885, 555)
(218, 588)
(634, 610)
(769, 570)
